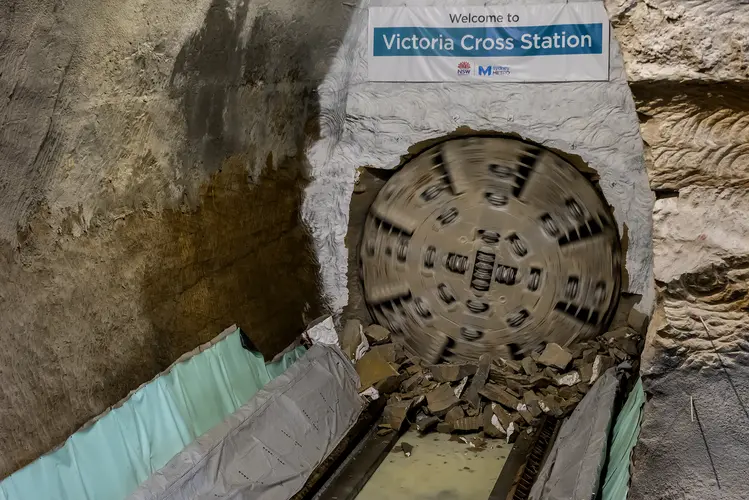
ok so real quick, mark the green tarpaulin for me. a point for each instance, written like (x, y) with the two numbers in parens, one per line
(626, 430)
(109, 458)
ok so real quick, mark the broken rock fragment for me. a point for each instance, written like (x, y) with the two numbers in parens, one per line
(619, 333)
(504, 418)
(396, 413)
(424, 424)
(449, 372)
(491, 423)
(510, 364)
(441, 399)
(412, 382)
(471, 411)
(495, 393)
(387, 351)
(377, 334)
(600, 365)
(469, 424)
(350, 337)
(479, 380)
(373, 368)
(550, 405)
(524, 412)
(529, 366)
(460, 388)
(556, 356)
(455, 413)
(568, 379)
(444, 428)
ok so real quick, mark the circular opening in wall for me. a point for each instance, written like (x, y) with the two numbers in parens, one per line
(484, 242)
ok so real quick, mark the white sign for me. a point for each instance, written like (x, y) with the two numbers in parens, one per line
(522, 43)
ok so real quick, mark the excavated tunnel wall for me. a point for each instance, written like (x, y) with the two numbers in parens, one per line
(151, 179)
(152, 175)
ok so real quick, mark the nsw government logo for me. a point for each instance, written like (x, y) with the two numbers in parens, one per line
(493, 70)
(464, 68)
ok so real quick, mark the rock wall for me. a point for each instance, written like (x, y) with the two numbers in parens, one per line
(689, 73)
(151, 177)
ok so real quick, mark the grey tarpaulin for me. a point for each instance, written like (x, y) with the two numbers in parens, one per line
(573, 469)
(267, 448)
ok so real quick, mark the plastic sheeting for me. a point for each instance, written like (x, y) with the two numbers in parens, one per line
(626, 431)
(573, 469)
(268, 448)
(113, 454)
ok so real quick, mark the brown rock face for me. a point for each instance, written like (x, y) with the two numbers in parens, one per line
(151, 174)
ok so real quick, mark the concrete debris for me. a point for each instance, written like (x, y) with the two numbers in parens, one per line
(350, 337)
(424, 423)
(468, 424)
(570, 378)
(556, 356)
(451, 372)
(600, 365)
(441, 399)
(371, 393)
(495, 393)
(472, 395)
(501, 397)
(377, 334)
(372, 368)
(529, 366)
(455, 413)
(491, 424)
(413, 382)
(461, 387)
(396, 414)
(407, 449)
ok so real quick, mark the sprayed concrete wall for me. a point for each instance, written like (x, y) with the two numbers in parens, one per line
(151, 177)
(378, 124)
